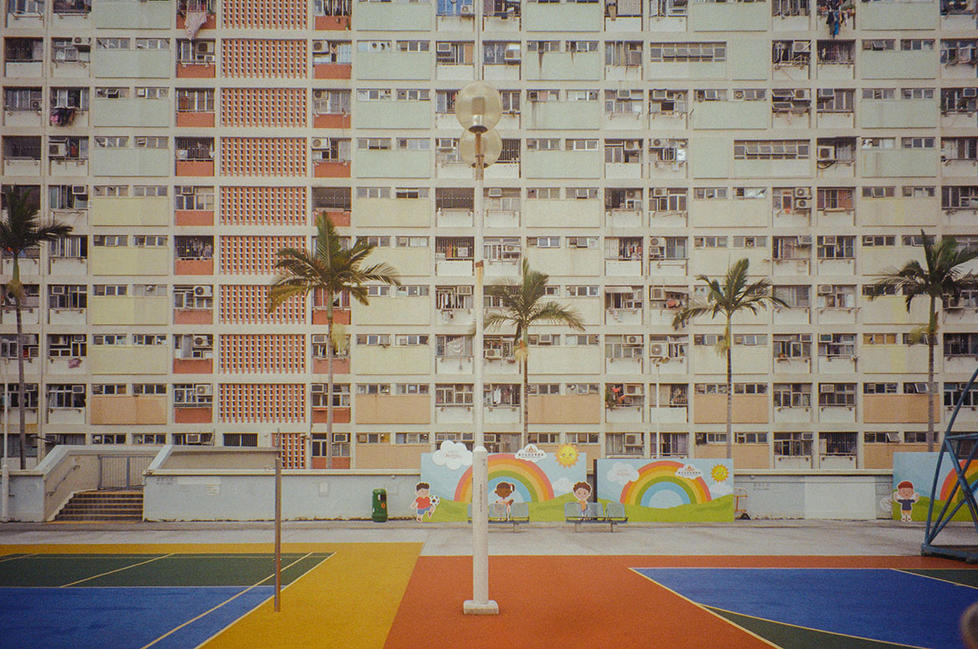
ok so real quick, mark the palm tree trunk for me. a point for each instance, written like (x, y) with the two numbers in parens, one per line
(21, 385)
(729, 346)
(329, 382)
(931, 388)
(526, 406)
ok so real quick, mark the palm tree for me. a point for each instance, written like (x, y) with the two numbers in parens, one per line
(521, 307)
(333, 269)
(734, 295)
(939, 280)
(20, 231)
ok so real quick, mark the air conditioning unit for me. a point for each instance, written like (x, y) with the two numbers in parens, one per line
(738, 94)
(495, 192)
(79, 190)
(140, 92)
(81, 40)
(828, 240)
(825, 338)
(443, 47)
(57, 149)
(660, 192)
(969, 92)
(808, 436)
(633, 340)
(803, 192)
(192, 438)
(78, 389)
(826, 388)
(801, 204)
(320, 94)
(633, 439)
(801, 46)
(825, 152)
(511, 56)
(801, 94)
(824, 289)
(531, 95)
(320, 143)
(319, 339)
(805, 240)
(545, 339)
(204, 390)
(658, 293)
(466, 10)
(623, 94)
(633, 390)
(205, 47)
(35, 104)
(200, 341)
(203, 291)
(464, 290)
(657, 350)
(494, 353)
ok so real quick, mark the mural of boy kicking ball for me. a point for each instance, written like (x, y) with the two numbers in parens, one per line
(906, 496)
(424, 503)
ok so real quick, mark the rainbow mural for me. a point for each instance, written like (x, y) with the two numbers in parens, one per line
(658, 484)
(667, 489)
(528, 478)
(951, 480)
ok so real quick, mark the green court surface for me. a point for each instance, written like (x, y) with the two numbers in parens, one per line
(100, 570)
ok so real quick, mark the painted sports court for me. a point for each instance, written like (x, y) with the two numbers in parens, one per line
(401, 586)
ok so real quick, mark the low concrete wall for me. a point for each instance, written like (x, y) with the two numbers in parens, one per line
(850, 496)
(183, 495)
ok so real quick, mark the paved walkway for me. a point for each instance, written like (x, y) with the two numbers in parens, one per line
(784, 538)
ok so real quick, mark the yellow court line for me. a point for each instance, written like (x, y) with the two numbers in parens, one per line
(15, 556)
(707, 610)
(945, 581)
(217, 606)
(809, 628)
(141, 563)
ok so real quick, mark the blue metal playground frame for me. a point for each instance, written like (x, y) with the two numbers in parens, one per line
(961, 450)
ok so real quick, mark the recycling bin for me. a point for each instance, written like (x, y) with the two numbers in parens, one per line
(379, 506)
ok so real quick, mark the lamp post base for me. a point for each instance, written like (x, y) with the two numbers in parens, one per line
(472, 607)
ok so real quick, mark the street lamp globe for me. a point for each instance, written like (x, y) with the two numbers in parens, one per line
(491, 146)
(478, 107)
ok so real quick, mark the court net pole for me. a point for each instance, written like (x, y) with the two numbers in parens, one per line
(278, 532)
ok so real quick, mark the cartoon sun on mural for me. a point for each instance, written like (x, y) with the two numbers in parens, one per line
(567, 455)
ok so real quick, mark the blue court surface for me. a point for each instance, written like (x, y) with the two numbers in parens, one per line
(895, 606)
(105, 618)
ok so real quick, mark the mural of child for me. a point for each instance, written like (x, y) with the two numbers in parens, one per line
(424, 503)
(906, 496)
(503, 492)
(582, 491)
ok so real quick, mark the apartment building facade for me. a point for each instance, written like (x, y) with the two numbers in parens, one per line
(644, 143)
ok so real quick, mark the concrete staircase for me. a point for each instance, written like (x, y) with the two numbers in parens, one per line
(103, 506)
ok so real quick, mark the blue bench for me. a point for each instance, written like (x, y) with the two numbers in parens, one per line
(612, 513)
(518, 513)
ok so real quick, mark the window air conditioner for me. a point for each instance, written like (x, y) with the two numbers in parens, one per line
(57, 150)
(203, 291)
(494, 353)
(79, 190)
(623, 94)
(192, 438)
(805, 240)
(801, 204)
(495, 192)
(803, 192)
(200, 341)
(657, 350)
(81, 40)
(464, 290)
(319, 339)
(443, 48)
(466, 10)
(825, 152)
(825, 338)
(633, 340)
(204, 390)
(633, 439)
(825, 289)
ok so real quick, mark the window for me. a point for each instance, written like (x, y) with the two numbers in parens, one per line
(837, 345)
(192, 395)
(411, 438)
(193, 198)
(341, 395)
(834, 100)
(453, 394)
(65, 396)
(695, 52)
(793, 444)
(771, 149)
(837, 395)
(792, 395)
(836, 247)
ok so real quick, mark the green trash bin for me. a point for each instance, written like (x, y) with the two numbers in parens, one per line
(379, 506)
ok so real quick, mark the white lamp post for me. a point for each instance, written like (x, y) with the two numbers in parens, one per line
(478, 108)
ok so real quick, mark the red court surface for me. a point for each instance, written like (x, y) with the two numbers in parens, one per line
(567, 602)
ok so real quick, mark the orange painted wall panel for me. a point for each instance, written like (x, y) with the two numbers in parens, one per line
(197, 218)
(336, 23)
(195, 168)
(331, 170)
(196, 71)
(331, 121)
(196, 120)
(193, 316)
(193, 267)
(192, 415)
(193, 365)
(340, 415)
(332, 71)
